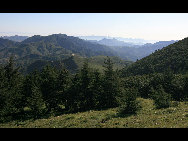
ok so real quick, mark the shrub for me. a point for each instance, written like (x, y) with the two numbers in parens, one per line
(128, 103)
(161, 98)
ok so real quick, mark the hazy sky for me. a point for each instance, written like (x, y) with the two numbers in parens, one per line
(149, 26)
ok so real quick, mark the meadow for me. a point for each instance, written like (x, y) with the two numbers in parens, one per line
(175, 116)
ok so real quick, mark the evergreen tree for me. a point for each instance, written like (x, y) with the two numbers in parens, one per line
(161, 98)
(110, 85)
(10, 91)
(185, 87)
(3, 90)
(128, 103)
(168, 80)
(85, 93)
(72, 99)
(49, 88)
(63, 85)
(96, 90)
(80, 94)
(33, 94)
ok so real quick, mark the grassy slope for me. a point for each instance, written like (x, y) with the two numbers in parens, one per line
(97, 62)
(148, 117)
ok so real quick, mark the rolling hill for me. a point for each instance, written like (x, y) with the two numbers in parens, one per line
(134, 53)
(173, 57)
(73, 63)
(55, 46)
(72, 44)
(5, 43)
(130, 51)
(58, 47)
(37, 51)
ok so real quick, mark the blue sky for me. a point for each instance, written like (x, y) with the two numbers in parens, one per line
(149, 26)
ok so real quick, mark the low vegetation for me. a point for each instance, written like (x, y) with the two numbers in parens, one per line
(49, 94)
(175, 116)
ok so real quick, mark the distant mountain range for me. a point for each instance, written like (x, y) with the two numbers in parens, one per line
(113, 42)
(128, 50)
(134, 41)
(54, 48)
(136, 53)
(15, 38)
(57, 47)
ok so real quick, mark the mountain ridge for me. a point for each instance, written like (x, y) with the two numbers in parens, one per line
(174, 57)
(16, 38)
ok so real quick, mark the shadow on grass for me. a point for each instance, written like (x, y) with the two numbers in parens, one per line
(123, 115)
(117, 115)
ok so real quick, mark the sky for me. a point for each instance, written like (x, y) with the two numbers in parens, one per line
(148, 26)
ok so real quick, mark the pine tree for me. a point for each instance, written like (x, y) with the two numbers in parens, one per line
(161, 98)
(110, 85)
(81, 90)
(72, 99)
(85, 93)
(3, 90)
(82, 93)
(63, 85)
(49, 88)
(128, 103)
(12, 98)
(33, 94)
(185, 87)
(96, 90)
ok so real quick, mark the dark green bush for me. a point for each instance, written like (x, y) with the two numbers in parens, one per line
(128, 103)
(161, 98)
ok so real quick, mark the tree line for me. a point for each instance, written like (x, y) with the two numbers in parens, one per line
(52, 91)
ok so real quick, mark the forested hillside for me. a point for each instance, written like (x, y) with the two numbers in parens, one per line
(5, 43)
(71, 63)
(136, 52)
(53, 46)
(173, 57)
(57, 50)
(73, 44)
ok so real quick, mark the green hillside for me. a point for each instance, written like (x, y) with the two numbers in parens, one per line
(72, 63)
(148, 117)
(98, 62)
(73, 44)
(173, 57)
(6, 43)
(53, 46)
(37, 51)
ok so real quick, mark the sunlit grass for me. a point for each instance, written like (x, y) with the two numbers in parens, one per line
(175, 116)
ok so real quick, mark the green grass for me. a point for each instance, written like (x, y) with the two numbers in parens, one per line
(148, 117)
(97, 62)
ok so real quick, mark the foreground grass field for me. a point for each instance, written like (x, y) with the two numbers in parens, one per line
(148, 117)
